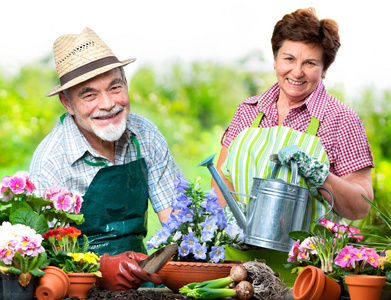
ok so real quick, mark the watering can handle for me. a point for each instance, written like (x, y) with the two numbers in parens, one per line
(294, 170)
(332, 202)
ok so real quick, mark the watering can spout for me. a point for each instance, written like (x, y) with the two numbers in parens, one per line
(232, 203)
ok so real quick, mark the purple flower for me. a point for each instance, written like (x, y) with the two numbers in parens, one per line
(172, 222)
(163, 234)
(221, 219)
(206, 235)
(210, 224)
(181, 201)
(200, 252)
(181, 184)
(235, 232)
(211, 205)
(190, 240)
(185, 215)
(184, 250)
(217, 254)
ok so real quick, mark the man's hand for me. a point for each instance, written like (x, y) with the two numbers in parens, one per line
(121, 272)
(309, 167)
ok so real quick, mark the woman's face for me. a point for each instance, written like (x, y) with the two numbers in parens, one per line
(299, 68)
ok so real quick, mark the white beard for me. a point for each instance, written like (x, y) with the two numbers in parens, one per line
(111, 132)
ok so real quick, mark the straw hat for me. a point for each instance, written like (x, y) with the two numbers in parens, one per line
(79, 57)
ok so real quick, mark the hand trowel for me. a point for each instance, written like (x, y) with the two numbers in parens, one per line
(157, 260)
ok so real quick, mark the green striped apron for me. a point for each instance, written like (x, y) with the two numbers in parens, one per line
(248, 157)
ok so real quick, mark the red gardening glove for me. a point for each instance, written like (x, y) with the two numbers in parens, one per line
(121, 272)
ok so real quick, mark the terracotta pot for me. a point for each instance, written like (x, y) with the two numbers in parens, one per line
(365, 286)
(53, 285)
(81, 283)
(176, 274)
(313, 284)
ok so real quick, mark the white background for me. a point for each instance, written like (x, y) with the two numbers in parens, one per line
(160, 31)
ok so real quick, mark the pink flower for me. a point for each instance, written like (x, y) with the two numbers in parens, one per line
(5, 181)
(327, 223)
(5, 193)
(77, 203)
(62, 202)
(30, 246)
(7, 255)
(371, 256)
(292, 255)
(355, 233)
(17, 184)
(345, 257)
(54, 190)
(309, 244)
(304, 255)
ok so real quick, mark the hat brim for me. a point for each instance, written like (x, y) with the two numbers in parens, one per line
(87, 76)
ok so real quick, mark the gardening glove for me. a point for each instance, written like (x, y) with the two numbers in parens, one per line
(121, 272)
(309, 167)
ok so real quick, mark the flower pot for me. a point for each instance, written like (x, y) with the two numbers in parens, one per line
(176, 274)
(81, 283)
(313, 284)
(12, 289)
(365, 286)
(53, 285)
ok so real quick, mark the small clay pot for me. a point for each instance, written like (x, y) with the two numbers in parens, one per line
(313, 284)
(365, 286)
(81, 283)
(53, 285)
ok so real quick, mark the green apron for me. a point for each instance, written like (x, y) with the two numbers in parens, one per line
(247, 157)
(115, 207)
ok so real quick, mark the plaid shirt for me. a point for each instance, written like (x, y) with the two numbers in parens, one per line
(340, 131)
(58, 160)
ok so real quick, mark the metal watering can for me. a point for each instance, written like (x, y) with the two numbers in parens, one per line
(275, 207)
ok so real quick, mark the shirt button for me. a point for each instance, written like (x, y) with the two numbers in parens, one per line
(288, 121)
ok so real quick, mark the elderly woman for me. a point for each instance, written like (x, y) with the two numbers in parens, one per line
(297, 118)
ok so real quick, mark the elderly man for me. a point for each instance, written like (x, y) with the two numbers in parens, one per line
(116, 159)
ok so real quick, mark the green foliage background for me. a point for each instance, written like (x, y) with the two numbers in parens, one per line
(191, 103)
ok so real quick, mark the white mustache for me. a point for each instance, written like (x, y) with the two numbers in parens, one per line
(103, 113)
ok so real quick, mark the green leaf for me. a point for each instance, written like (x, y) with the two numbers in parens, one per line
(323, 232)
(299, 235)
(14, 270)
(26, 216)
(37, 272)
(86, 244)
(41, 259)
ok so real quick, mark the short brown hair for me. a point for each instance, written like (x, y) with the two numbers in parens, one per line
(303, 25)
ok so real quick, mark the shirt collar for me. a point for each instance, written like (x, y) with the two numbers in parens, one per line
(315, 102)
(78, 146)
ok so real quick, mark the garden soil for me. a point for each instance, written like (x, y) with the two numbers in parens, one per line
(140, 294)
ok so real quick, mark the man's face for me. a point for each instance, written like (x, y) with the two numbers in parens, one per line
(100, 106)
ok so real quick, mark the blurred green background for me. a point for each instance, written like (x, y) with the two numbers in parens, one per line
(191, 103)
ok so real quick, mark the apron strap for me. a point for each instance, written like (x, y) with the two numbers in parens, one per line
(312, 127)
(63, 117)
(135, 141)
(96, 164)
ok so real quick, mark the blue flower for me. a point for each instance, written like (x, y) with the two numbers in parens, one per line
(181, 201)
(164, 234)
(200, 252)
(190, 240)
(217, 254)
(153, 242)
(184, 250)
(185, 215)
(172, 222)
(211, 205)
(221, 219)
(206, 235)
(181, 184)
(235, 232)
(210, 223)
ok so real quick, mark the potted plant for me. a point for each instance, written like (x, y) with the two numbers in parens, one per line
(80, 265)
(198, 225)
(338, 250)
(55, 208)
(21, 256)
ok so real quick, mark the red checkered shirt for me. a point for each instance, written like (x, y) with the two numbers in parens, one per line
(340, 130)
